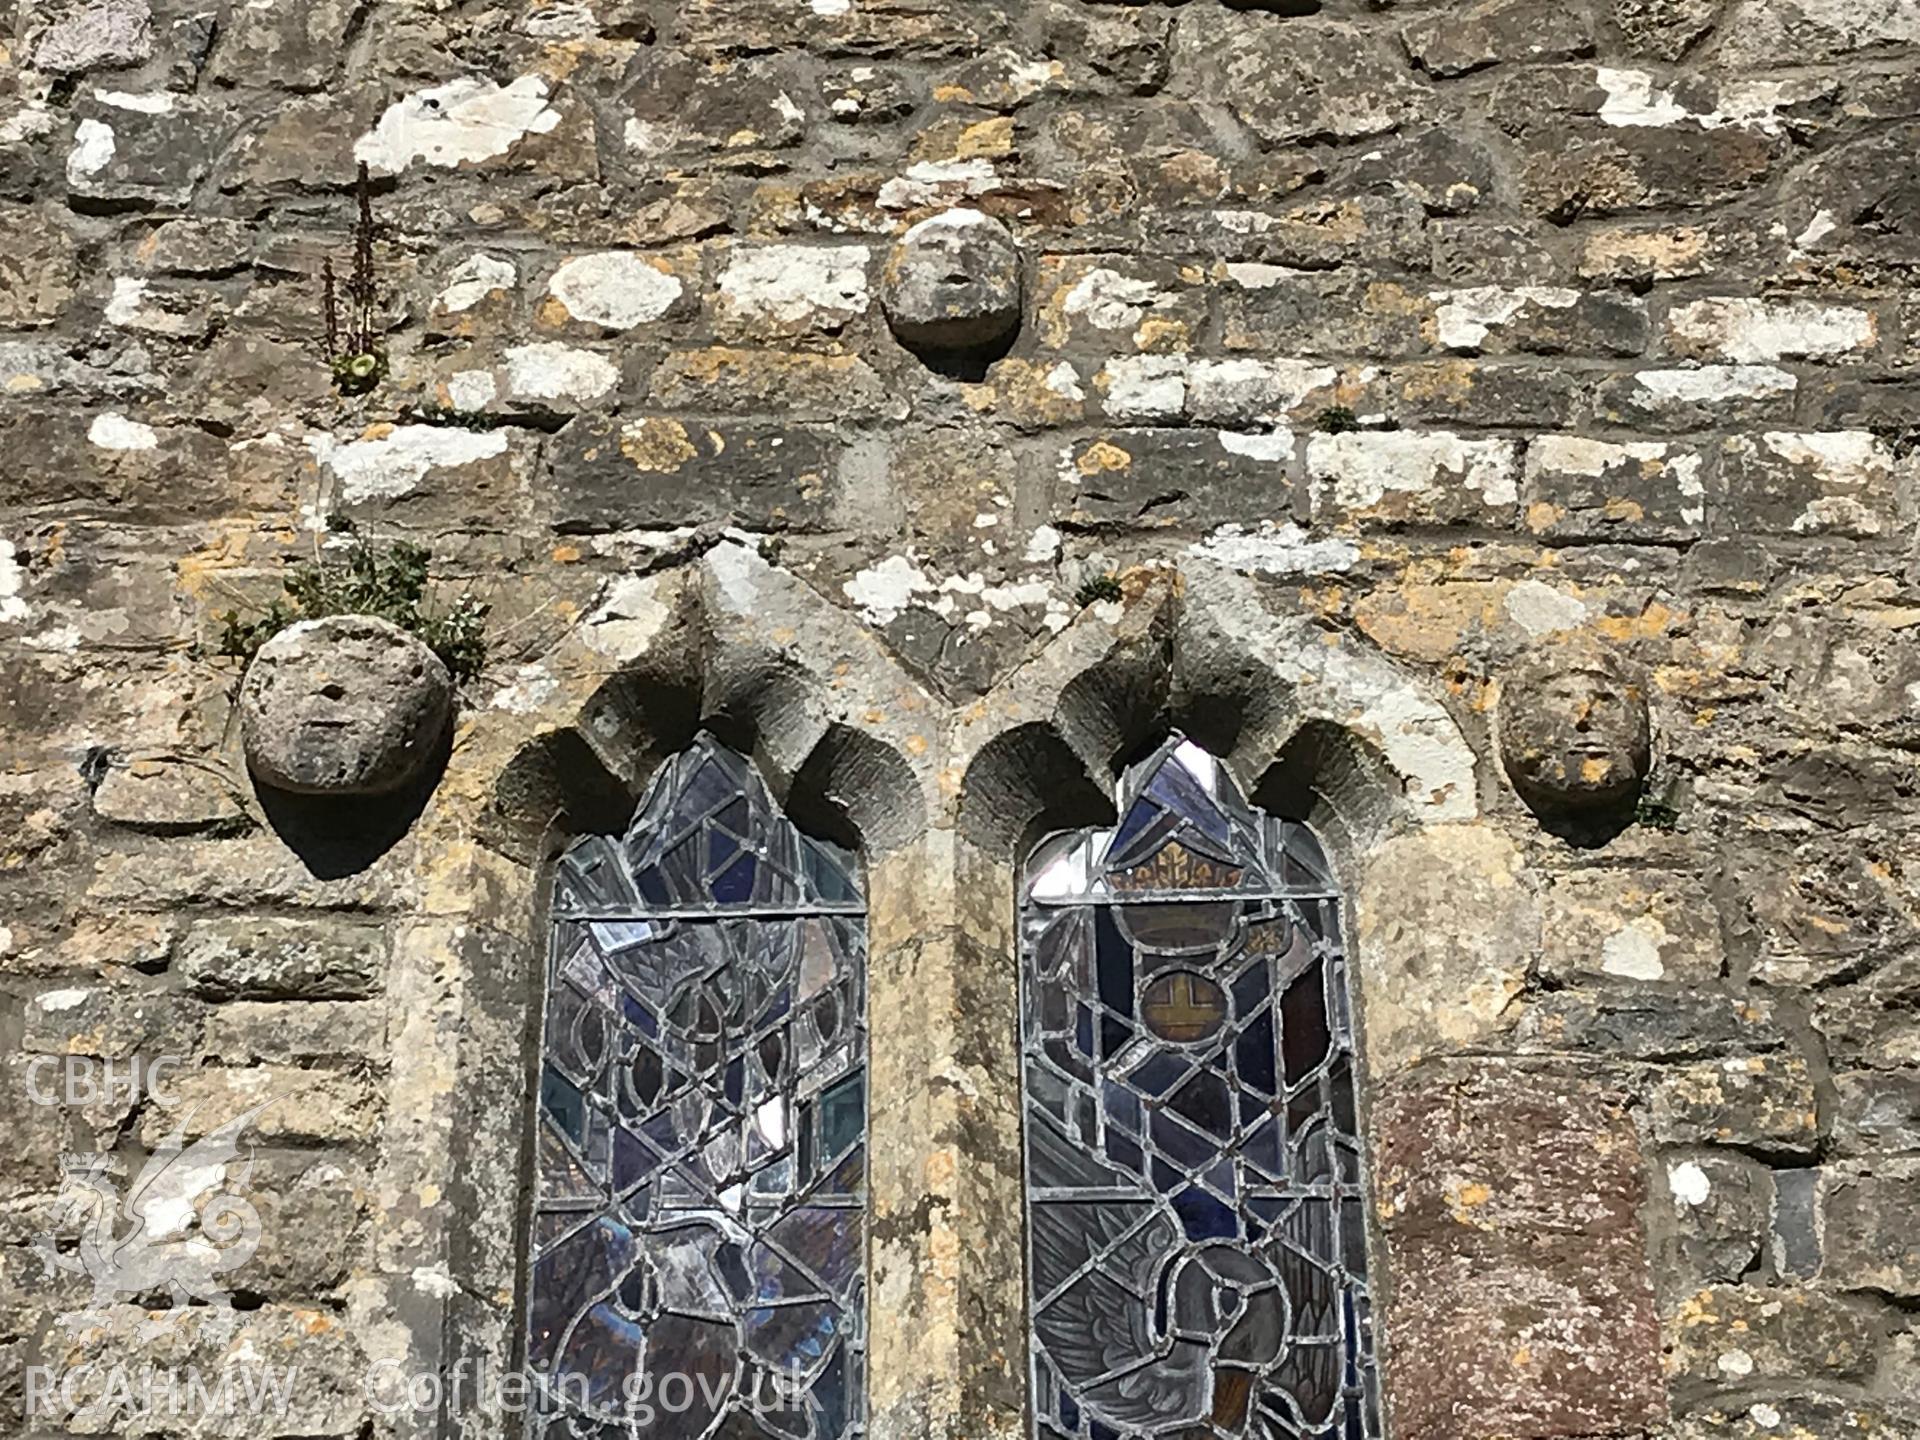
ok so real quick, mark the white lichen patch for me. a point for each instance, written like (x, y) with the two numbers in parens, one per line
(614, 290)
(558, 372)
(13, 584)
(1636, 99)
(473, 280)
(92, 152)
(990, 598)
(1464, 318)
(1112, 301)
(1144, 387)
(788, 286)
(1259, 275)
(628, 620)
(961, 217)
(464, 121)
(396, 463)
(157, 102)
(934, 182)
(1273, 446)
(1539, 609)
(129, 298)
(1577, 455)
(1710, 383)
(29, 122)
(1854, 469)
(1063, 380)
(470, 391)
(1735, 1364)
(1689, 1183)
(1633, 951)
(1818, 228)
(1747, 330)
(1239, 392)
(1043, 546)
(1360, 470)
(1633, 99)
(1221, 391)
(882, 592)
(1270, 549)
(531, 687)
(116, 432)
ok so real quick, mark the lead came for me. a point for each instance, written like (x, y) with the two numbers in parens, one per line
(1197, 1255)
(703, 1124)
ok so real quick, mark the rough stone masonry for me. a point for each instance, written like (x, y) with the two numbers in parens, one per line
(1292, 373)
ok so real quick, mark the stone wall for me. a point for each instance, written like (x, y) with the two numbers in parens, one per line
(1364, 348)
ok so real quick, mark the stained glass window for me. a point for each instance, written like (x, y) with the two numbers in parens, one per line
(1195, 1203)
(698, 1244)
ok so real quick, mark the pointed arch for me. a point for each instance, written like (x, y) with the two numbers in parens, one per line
(1195, 1191)
(700, 1180)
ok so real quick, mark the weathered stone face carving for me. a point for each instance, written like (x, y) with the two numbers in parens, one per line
(1574, 733)
(348, 705)
(953, 283)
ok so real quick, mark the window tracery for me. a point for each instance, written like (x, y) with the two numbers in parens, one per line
(1195, 1200)
(699, 1216)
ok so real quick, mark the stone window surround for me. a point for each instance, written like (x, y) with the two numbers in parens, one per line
(942, 804)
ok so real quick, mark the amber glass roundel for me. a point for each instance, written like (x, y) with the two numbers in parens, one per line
(1183, 1007)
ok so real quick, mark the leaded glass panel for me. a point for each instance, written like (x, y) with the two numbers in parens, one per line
(1195, 1204)
(698, 1228)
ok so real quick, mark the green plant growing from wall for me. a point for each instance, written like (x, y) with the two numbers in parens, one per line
(1100, 587)
(354, 352)
(1660, 801)
(386, 580)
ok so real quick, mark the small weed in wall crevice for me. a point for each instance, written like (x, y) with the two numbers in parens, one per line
(1339, 420)
(1660, 802)
(448, 418)
(1100, 587)
(386, 580)
(354, 352)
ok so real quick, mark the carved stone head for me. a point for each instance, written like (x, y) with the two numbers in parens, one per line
(348, 705)
(1574, 733)
(953, 283)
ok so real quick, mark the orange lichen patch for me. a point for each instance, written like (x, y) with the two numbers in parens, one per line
(565, 554)
(1660, 253)
(1542, 516)
(1024, 391)
(1430, 621)
(200, 568)
(941, 1168)
(1697, 1309)
(1100, 457)
(1163, 335)
(1464, 1198)
(1651, 623)
(987, 139)
(657, 446)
